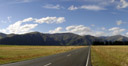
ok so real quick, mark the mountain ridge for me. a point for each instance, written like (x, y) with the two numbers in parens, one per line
(37, 38)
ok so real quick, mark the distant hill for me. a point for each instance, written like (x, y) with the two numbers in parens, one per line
(2, 35)
(117, 38)
(37, 38)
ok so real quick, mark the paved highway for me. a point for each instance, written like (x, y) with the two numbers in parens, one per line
(78, 57)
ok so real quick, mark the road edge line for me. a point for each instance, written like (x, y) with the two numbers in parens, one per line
(88, 57)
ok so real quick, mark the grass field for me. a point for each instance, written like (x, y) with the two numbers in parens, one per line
(9, 54)
(109, 55)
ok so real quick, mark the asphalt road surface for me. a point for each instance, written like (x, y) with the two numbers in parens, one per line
(78, 57)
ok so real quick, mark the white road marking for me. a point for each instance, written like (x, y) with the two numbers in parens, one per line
(88, 57)
(48, 64)
(69, 55)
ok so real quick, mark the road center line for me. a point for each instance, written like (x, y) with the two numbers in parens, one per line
(88, 57)
(48, 64)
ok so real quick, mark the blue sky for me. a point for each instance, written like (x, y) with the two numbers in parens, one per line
(83, 17)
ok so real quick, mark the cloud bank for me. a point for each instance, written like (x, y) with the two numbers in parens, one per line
(78, 29)
(20, 28)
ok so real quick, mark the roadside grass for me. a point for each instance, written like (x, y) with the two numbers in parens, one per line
(9, 54)
(109, 55)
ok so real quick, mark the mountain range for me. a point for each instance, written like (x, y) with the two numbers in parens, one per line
(37, 38)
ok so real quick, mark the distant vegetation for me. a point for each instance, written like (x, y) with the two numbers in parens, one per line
(109, 55)
(110, 43)
(10, 53)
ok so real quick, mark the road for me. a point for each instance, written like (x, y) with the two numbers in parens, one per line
(78, 57)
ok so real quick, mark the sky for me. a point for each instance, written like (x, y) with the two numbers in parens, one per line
(83, 17)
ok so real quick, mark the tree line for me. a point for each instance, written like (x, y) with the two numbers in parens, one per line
(110, 43)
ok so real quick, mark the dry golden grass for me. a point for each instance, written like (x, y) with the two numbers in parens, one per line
(10, 54)
(109, 55)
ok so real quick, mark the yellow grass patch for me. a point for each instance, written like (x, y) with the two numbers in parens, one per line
(109, 55)
(10, 54)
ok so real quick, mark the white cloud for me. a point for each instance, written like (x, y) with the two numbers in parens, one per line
(126, 34)
(28, 19)
(72, 7)
(87, 7)
(57, 30)
(116, 30)
(92, 7)
(119, 22)
(50, 6)
(83, 30)
(122, 4)
(18, 28)
(26, 28)
(78, 29)
(50, 20)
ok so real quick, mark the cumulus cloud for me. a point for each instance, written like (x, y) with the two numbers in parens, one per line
(72, 7)
(57, 30)
(18, 28)
(50, 6)
(50, 20)
(78, 29)
(122, 4)
(26, 28)
(116, 30)
(87, 7)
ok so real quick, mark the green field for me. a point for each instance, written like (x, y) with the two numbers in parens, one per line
(109, 55)
(9, 54)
